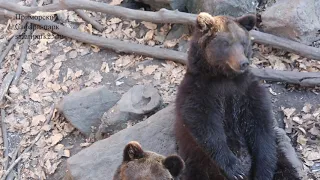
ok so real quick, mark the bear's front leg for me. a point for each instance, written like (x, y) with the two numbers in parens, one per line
(206, 127)
(261, 137)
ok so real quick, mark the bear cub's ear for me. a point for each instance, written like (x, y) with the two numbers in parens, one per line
(247, 21)
(204, 22)
(174, 164)
(133, 150)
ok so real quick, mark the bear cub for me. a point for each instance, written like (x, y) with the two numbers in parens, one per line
(224, 123)
(138, 164)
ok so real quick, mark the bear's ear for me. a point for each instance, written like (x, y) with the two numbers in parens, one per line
(204, 22)
(133, 150)
(174, 164)
(247, 21)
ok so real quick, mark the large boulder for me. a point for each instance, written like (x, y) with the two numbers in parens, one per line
(101, 159)
(215, 7)
(233, 8)
(297, 20)
(84, 109)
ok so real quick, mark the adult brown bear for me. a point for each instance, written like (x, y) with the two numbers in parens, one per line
(138, 164)
(224, 124)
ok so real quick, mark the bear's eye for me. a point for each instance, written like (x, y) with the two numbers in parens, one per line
(244, 43)
(225, 43)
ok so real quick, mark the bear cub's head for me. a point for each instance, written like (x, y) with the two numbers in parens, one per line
(221, 44)
(145, 165)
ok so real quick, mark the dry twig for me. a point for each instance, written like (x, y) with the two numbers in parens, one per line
(12, 42)
(23, 56)
(5, 85)
(12, 175)
(5, 138)
(89, 20)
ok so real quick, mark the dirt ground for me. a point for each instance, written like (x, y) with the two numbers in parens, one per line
(55, 68)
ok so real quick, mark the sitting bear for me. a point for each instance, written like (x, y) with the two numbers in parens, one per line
(138, 164)
(224, 124)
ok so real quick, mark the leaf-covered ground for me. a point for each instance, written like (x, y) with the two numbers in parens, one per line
(57, 67)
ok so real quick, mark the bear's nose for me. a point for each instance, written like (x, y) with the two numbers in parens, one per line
(244, 64)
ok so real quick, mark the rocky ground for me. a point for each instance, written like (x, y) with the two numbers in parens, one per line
(58, 68)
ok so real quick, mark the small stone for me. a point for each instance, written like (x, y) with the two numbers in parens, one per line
(140, 99)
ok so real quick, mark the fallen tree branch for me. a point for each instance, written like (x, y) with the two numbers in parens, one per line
(89, 20)
(302, 78)
(12, 42)
(11, 175)
(5, 85)
(162, 16)
(13, 164)
(113, 44)
(23, 56)
(286, 44)
(305, 79)
(6, 13)
(5, 139)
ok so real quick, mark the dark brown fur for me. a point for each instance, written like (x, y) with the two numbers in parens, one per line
(224, 125)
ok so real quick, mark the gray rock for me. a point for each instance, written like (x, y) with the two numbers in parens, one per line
(85, 108)
(140, 99)
(156, 4)
(112, 121)
(233, 8)
(133, 105)
(297, 20)
(101, 159)
(177, 31)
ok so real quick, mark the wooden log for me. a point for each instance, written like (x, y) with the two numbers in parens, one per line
(305, 79)
(302, 78)
(286, 44)
(113, 44)
(6, 13)
(161, 16)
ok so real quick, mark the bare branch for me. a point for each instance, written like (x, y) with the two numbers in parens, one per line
(5, 138)
(305, 79)
(116, 45)
(12, 42)
(162, 16)
(89, 20)
(5, 85)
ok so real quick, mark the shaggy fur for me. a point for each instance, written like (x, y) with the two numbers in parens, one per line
(224, 125)
(145, 165)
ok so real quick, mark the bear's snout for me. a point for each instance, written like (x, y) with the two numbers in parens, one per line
(244, 64)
